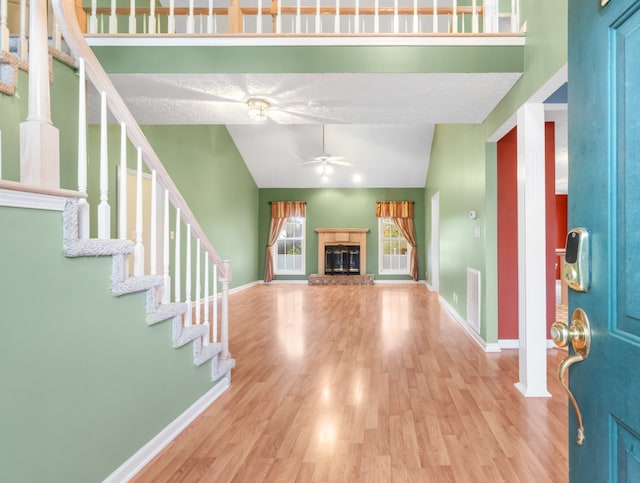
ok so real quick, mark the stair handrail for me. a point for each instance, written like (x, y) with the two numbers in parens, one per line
(67, 20)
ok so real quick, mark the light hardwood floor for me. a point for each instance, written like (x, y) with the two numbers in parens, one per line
(366, 383)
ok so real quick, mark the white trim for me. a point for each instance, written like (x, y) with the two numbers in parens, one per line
(302, 255)
(305, 40)
(243, 287)
(381, 255)
(515, 344)
(410, 281)
(278, 282)
(486, 347)
(140, 458)
(36, 201)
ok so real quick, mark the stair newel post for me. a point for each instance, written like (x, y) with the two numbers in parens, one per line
(153, 231)
(188, 317)
(93, 18)
(104, 210)
(132, 17)
(4, 30)
(171, 27)
(122, 215)
(176, 274)
(190, 19)
(224, 323)
(166, 289)
(113, 19)
(138, 249)
(152, 17)
(215, 303)
(206, 340)
(83, 205)
(197, 303)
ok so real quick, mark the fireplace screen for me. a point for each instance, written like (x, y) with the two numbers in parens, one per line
(342, 260)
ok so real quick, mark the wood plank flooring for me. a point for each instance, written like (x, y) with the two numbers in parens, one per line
(366, 384)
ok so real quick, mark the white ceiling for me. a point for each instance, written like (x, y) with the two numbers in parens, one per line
(383, 123)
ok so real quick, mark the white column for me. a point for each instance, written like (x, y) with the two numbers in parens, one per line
(4, 30)
(122, 212)
(532, 301)
(83, 205)
(166, 289)
(104, 210)
(39, 139)
(138, 249)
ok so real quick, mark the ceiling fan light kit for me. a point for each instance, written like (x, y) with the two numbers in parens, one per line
(325, 162)
(258, 109)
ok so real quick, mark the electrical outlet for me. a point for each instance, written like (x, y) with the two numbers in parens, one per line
(455, 298)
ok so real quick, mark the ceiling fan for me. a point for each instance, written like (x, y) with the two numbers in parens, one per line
(325, 161)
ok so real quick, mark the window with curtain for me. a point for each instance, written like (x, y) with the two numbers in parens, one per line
(393, 250)
(288, 251)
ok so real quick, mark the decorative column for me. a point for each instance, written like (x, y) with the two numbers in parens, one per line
(532, 302)
(39, 139)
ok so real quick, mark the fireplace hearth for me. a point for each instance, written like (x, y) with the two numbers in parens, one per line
(342, 260)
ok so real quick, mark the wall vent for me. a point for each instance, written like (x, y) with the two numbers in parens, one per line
(473, 298)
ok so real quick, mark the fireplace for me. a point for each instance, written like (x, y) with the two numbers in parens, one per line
(342, 260)
(342, 251)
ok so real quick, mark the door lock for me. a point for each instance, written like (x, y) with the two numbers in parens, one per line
(579, 335)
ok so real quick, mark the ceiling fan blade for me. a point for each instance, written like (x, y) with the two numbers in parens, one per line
(333, 159)
(340, 163)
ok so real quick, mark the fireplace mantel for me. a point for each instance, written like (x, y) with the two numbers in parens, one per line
(342, 236)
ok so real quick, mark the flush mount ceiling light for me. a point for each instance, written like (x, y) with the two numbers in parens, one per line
(258, 109)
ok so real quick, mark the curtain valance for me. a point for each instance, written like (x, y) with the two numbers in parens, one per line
(394, 209)
(285, 209)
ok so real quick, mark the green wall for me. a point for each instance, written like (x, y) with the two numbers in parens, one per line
(341, 208)
(85, 383)
(459, 150)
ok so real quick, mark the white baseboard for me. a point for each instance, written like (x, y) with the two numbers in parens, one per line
(381, 282)
(243, 287)
(515, 344)
(140, 458)
(429, 286)
(486, 347)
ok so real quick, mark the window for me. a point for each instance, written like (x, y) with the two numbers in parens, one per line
(288, 251)
(393, 250)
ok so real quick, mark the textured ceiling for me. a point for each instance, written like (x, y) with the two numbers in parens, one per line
(383, 123)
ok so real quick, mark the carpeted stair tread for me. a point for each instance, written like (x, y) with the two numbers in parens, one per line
(94, 247)
(136, 284)
(184, 335)
(166, 312)
(206, 353)
(222, 368)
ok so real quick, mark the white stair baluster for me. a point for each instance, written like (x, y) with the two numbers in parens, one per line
(153, 229)
(215, 303)
(206, 340)
(132, 17)
(435, 17)
(138, 249)
(190, 19)
(396, 20)
(176, 274)
(259, 18)
(113, 19)
(318, 24)
(356, 21)
(187, 276)
(4, 30)
(23, 47)
(336, 23)
(83, 205)
(123, 182)
(279, 17)
(474, 16)
(224, 323)
(298, 18)
(93, 18)
(166, 288)
(210, 18)
(171, 28)
(415, 16)
(197, 302)
(454, 17)
(376, 17)
(104, 211)
(152, 17)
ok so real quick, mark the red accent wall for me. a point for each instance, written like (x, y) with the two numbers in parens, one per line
(508, 231)
(507, 152)
(561, 226)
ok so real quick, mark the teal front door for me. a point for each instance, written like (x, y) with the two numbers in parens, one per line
(604, 197)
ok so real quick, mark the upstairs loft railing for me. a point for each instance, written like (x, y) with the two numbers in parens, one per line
(178, 252)
(300, 17)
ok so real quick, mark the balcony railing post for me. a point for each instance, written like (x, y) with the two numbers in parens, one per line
(4, 30)
(515, 16)
(225, 278)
